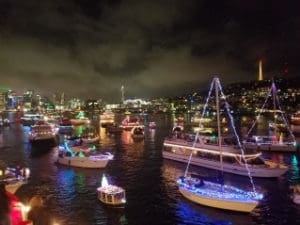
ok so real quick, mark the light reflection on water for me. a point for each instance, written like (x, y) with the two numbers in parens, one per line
(149, 181)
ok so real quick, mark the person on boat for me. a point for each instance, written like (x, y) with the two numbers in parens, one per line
(4, 206)
(18, 171)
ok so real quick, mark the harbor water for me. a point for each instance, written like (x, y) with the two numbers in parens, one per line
(152, 195)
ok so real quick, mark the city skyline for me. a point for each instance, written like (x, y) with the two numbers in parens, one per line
(156, 48)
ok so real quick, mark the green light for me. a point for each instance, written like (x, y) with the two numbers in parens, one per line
(294, 160)
(80, 115)
(295, 144)
(81, 155)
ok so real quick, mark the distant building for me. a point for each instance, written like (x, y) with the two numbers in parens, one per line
(2, 101)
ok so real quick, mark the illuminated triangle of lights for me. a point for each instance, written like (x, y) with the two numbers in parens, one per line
(232, 125)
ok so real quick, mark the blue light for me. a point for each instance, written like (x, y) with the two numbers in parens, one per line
(212, 190)
(188, 213)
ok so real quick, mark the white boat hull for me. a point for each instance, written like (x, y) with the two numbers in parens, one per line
(82, 162)
(271, 147)
(235, 168)
(13, 187)
(296, 199)
(219, 203)
(112, 195)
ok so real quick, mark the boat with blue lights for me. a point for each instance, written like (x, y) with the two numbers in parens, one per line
(111, 195)
(14, 178)
(215, 193)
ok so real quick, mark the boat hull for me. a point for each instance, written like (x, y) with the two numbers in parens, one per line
(296, 199)
(218, 203)
(112, 195)
(235, 168)
(271, 147)
(82, 162)
(13, 187)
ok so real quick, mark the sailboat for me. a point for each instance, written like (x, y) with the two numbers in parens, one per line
(214, 192)
(275, 140)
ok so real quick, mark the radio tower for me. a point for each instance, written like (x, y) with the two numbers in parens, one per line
(260, 71)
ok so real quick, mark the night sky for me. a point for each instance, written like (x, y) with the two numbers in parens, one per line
(89, 48)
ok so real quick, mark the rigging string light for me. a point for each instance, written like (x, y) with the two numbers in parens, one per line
(197, 133)
(260, 112)
(236, 136)
(282, 113)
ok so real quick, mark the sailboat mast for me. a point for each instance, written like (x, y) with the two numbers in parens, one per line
(218, 121)
(273, 87)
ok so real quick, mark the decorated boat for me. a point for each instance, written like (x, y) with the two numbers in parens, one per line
(280, 137)
(128, 123)
(296, 194)
(111, 194)
(137, 132)
(42, 131)
(89, 135)
(80, 119)
(215, 193)
(83, 159)
(107, 118)
(14, 178)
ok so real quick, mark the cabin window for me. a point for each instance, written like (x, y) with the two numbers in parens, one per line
(109, 198)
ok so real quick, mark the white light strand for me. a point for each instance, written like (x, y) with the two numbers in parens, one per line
(283, 114)
(197, 133)
(237, 137)
(260, 112)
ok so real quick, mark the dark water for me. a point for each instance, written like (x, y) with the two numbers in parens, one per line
(149, 181)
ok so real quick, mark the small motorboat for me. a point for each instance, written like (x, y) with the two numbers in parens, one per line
(114, 129)
(14, 178)
(152, 125)
(137, 133)
(296, 194)
(83, 158)
(111, 195)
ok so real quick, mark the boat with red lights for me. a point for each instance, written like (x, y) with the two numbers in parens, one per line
(129, 123)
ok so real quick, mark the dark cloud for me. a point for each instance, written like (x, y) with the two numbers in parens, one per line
(154, 48)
